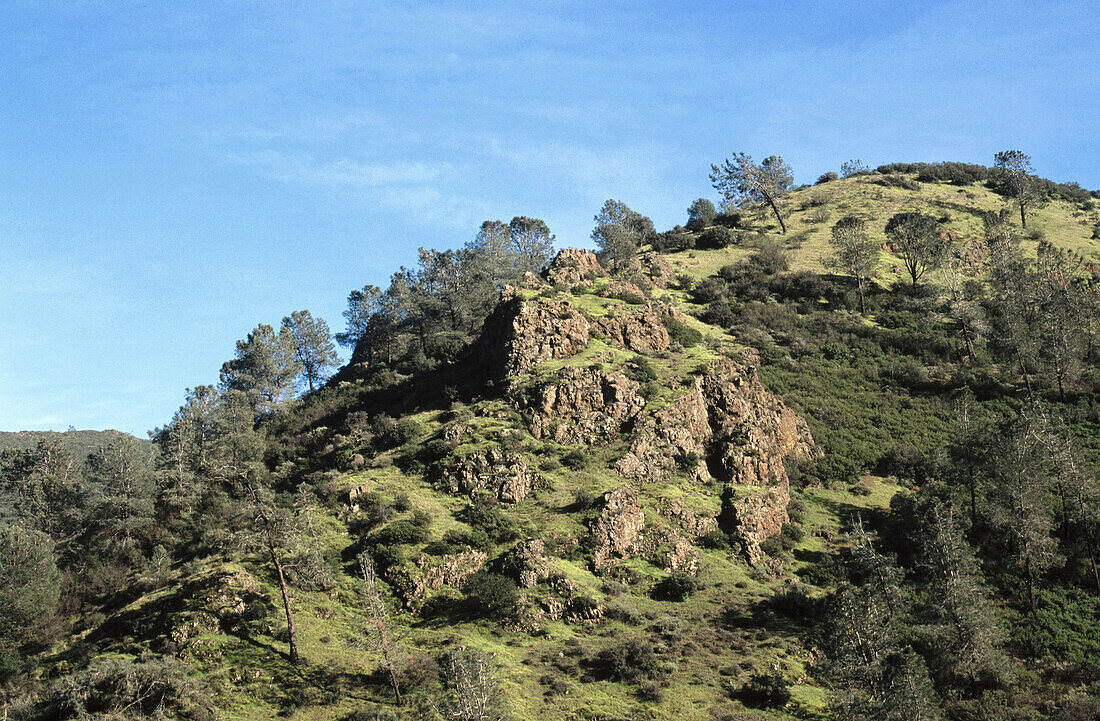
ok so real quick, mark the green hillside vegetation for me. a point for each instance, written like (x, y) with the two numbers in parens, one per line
(78, 443)
(424, 534)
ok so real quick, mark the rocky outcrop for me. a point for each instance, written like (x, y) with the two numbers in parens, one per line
(756, 431)
(674, 438)
(617, 530)
(754, 515)
(573, 267)
(582, 405)
(520, 334)
(525, 563)
(641, 331)
(503, 474)
(659, 269)
(413, 582)
(692, 521)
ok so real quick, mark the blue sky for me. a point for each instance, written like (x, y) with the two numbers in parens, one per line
(172, 174)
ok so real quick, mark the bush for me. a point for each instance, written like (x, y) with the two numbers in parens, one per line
(904, 462)
(492, 595)
(633, 659)
(729, 220)
(484, 513)
(766, 690)
(826, 178)
(574, 460)
(639, 370)
(676, 586)
(716, 237)
(402, 532)
(770, 257)
(397, 433)
(681, 333)
(110, 688)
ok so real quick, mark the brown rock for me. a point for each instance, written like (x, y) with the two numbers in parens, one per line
(413, 582)
(616, 530)
(505, 475)
(641, 331)
(659, 269)
(526, 563)
(583, 405)
(574, 266)
(520, 334)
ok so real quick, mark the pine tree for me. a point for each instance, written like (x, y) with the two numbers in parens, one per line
(314, 351)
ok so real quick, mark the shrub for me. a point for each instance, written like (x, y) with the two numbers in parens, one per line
(484, 513)
(716, 237)
(904, 462)
(687, 460)
(639, 370)
(729, 220)
(826, 178)
(821, 215)
(401, 532)
(681, 333)
(766, 690)
(770, 257)
(574, 460)
(491, 595)
(399, 433)
(701, 213)
(676, 586)
(110, 688)
(627, 661)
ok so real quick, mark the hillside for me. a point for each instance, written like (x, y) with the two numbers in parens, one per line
(674, 489)
(78, 443)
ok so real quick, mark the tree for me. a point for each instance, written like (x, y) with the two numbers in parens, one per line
(619, 232)
(378, 623)
(742, 181)
(265, 368)
(274, 529)
(917, 239)
(701, 213)
(470, 688)
(30, 585)
(1014, 303)
(38, 489)
(1018, 502)
(121, 496)
(1016, 181)
(184, 445)
(532, 242)
(494, 246)
(853, 167)
(1063, 313)
(964, 625)
(854, 253)
(313, 349)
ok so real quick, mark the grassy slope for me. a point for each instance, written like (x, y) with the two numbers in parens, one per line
(1063, 223)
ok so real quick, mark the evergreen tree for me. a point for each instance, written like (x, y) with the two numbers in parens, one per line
(265, 368)
(620, 232)
(121, 493)
(742, 181)
(1016, 181)
(532, 242)
(313, 349)
(30, 585)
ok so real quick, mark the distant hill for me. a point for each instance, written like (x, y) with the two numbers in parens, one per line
(78, 443)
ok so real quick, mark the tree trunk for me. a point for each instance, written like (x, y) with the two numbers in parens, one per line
(862, 300)
(1092, 555)
(778, 215)
(1023, 216)
(291, 633)
(1031, 588)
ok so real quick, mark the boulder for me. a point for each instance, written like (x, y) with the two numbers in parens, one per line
(641, 331)
(526, 563)
(520, 334)
(413, 582)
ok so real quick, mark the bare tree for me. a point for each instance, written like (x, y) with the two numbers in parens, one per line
(470, 689)
(273, 528)
(379, 623)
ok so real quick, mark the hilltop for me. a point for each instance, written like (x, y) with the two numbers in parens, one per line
(683, 483)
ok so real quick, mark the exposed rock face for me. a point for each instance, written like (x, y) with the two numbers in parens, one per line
(675, 432)
(521, 334)
(659, 269)
(695, 522)
(641, 331)
(506, 475)
(583, 405)
(412, 583)
(616, 531)
(526, 563)
(755, 517)
(574, 266)
(758, 432)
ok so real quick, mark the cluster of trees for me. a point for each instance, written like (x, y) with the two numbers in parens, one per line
(429, 314)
